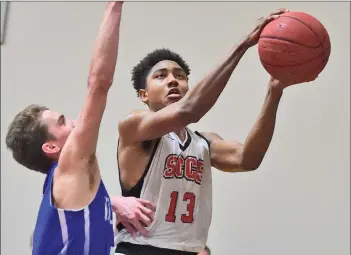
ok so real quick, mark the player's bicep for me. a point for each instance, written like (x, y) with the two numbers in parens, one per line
(225, 155)
(82, 142)
(146, 125)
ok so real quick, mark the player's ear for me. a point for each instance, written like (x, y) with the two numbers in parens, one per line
(50, 148)
(143, 96)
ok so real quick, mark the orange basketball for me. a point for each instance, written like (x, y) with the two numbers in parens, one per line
(294, 47)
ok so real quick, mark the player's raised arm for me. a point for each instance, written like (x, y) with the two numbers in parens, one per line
(232, 156)
(146, 125)
(81, 144)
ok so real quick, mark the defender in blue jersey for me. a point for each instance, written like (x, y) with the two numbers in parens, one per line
(88, 230)
(75, 215)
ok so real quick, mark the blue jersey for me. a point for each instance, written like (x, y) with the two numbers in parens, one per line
(87, 231)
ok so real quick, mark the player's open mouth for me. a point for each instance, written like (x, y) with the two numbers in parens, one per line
(174, 93)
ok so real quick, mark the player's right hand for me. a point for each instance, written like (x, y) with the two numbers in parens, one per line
(135, 214)
(280, 85)
(254, 36)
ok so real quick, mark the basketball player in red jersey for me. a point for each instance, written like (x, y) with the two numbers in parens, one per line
(162, 160)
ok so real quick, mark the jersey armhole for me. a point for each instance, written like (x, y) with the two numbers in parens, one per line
(207, 141)
(137, 187)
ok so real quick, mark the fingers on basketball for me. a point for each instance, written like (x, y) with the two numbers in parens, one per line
(279, 11)
(263, 21)
(269, 19)
(274, 15)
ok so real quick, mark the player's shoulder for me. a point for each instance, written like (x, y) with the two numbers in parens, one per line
(134, 114)
(137, 112)
(131, 118)
(129, 124)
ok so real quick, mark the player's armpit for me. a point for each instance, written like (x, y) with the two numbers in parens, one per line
(142, 125)
(227, 156)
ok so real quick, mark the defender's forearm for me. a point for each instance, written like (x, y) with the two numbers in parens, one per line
(258, 140)
(204, 95)
(103, 62)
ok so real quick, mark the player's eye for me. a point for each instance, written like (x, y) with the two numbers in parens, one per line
(180, 76)
(160, 76)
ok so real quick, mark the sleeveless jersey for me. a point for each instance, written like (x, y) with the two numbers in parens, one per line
(178, 180)
(86, 231)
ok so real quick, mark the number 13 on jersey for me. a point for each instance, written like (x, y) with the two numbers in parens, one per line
(188, 215)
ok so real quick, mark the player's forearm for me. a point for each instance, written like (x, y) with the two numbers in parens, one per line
(204, 95)
(103, 62)
(259, 138)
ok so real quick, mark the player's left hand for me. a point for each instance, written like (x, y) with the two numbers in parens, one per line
(135, 214)
(254, 36)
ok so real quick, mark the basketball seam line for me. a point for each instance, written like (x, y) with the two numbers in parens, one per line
(301, 63)
(290, 41)
(324, 34)
(321, 42)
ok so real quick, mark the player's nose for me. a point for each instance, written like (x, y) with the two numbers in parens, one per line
(172, 82)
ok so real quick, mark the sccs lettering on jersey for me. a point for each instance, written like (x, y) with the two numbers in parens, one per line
(190, 168)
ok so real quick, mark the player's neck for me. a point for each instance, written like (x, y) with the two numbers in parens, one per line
(181, 133)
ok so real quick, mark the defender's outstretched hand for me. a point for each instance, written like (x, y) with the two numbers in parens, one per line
(253, 37)
(135, 214)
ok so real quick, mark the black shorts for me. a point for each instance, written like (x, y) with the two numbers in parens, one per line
(137, 249)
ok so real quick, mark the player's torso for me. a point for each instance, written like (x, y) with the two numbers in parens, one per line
(87, 231)
(178, 181)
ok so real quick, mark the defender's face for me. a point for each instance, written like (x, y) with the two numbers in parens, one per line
(166, 83)
(60, 128)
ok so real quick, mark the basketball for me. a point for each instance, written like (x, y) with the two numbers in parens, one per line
(294, 48)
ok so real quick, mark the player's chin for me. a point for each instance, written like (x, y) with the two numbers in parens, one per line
(172, 99)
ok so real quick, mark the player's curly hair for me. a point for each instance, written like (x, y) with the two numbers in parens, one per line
(142, 69)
